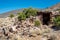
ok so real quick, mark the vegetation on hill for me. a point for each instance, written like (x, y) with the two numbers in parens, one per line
(37, 23)
(57, 21)
(30, 12)
(11, 15)
(21, 16)
(27, 13)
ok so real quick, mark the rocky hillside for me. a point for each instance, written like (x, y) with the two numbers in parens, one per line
(54, 7)
(26, 26)
(12, 29)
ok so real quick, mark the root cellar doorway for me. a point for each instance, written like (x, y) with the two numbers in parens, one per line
(46, 18)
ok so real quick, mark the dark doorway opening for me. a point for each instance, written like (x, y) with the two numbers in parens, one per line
(46, 18)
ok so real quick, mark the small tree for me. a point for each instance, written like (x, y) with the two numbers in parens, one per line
(21, 16)
(11, 15)
(37, 23)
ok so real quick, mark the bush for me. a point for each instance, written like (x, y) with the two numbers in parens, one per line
(30, 12)
(57, 21)
(11, 15)
(37, 23)
(21, 16)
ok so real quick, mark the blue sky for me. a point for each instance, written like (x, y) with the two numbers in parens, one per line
(9, 5)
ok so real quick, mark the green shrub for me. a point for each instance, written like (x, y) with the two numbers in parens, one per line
(57, 21)
(21, 16)
(37, 23)
(30, 12)
(11, 15)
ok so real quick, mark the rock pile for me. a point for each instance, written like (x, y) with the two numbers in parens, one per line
(12, 29)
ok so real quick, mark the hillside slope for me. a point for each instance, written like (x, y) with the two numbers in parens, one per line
(10, 12)
(55, 7)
